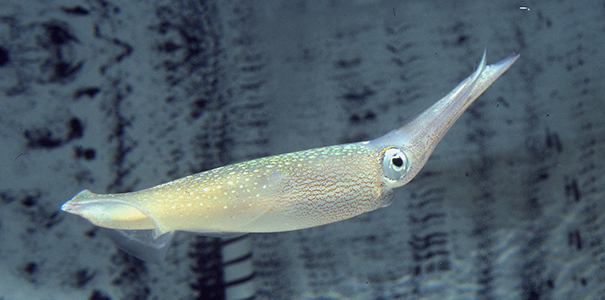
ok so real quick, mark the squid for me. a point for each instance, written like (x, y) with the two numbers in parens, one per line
(283, 192)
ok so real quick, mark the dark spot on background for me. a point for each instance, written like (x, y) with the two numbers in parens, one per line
(252, 86)
(52, 220)
(461, 40)
(44, 138)
(168, 47)
(346, 64)
(92, 233)
(76, 10)
(126, 49)
(98, 295)
(41, 138)
(4, 57)
(58, 42)
(418, 242)
(539, 176)
(29, 201)
(553, 141)
(426, 218)
(30, 268)
(571, 189)
(199, 106)
(87, 154)
(57, 34)
(63, 69)
(6, 197)
(76, 129)
(358, 95)
(90, 92)
(357, 119)
(531, 291)
(82, 277)
(503, 102)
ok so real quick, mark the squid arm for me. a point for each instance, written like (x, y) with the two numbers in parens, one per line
(283, 192)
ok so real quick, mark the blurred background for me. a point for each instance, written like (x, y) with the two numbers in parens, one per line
(117, 96)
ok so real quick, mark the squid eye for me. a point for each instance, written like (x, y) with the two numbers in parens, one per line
(394, 163)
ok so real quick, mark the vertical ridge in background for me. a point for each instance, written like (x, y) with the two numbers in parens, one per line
(482, 168)
(429, 239)
(246, 136)
(207, 267)
(582, 185)
(188, 42)
(246, 108)
(216, 66)
(533, 271)
(584, 190)
(278, 275)
(234, 121)
(482, 196)
(238, 270)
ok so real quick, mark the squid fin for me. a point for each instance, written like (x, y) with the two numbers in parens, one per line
(141, 243)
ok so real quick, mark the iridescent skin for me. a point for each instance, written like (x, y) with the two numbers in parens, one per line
(294, 190)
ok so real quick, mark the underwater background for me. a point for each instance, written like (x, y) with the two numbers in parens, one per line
(117, 96)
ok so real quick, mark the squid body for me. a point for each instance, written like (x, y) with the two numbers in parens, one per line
(283, 192)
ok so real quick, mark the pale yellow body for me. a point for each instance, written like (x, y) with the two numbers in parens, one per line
(284, 192)
(277, 193)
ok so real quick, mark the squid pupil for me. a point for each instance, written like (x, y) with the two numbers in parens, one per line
(397, 161)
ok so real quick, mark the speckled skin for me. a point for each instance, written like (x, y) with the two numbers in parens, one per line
(295, 190)
(277, 193)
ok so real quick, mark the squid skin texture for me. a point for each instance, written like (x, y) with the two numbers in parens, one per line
(288, 191)
(277, 193)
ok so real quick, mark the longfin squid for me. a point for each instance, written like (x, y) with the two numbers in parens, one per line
(283, 192)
